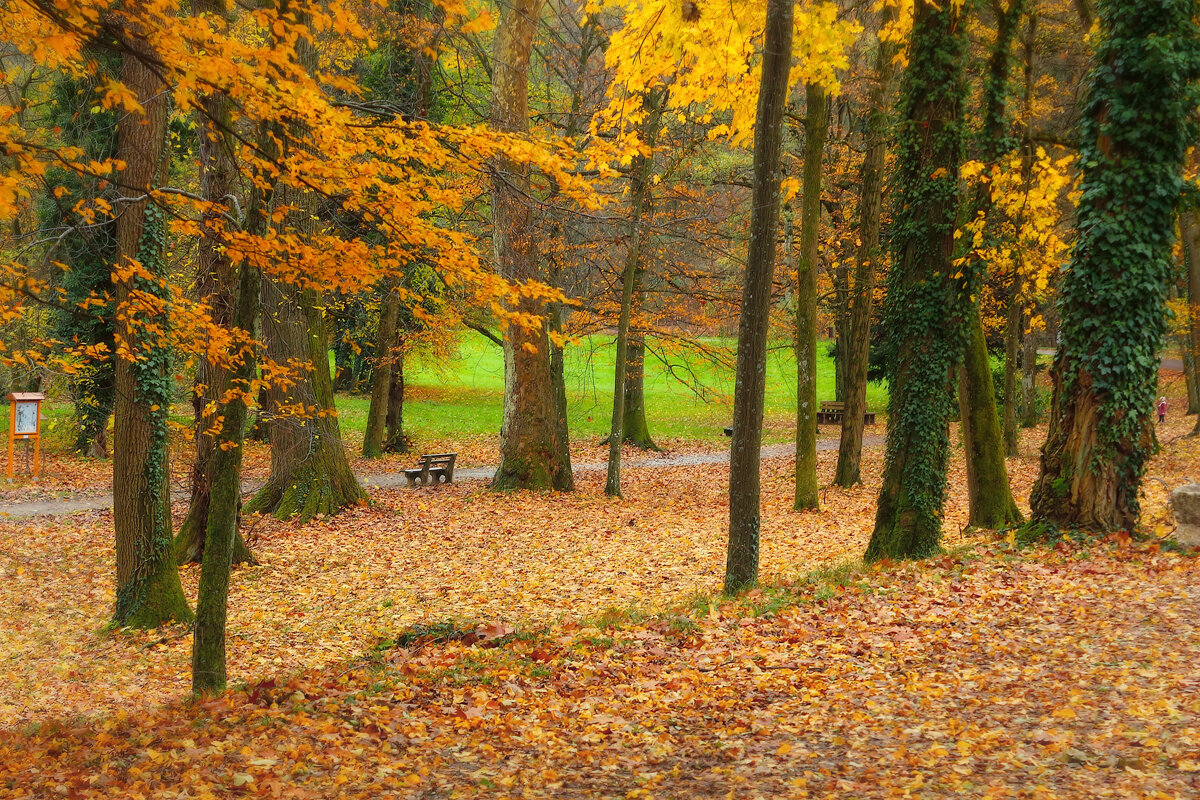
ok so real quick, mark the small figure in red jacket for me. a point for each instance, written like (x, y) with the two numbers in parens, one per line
(1162, 409)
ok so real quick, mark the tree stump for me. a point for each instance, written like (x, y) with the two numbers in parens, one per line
(1186, 502)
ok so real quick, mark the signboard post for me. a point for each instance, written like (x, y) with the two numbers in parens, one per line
(25, 422)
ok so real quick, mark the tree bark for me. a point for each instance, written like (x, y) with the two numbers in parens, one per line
(988, 491)
(1134, 135)
(215, 286)
(639, 187)
(925, 314)
(1029, 413)
(148, 588)
(533, 454)
(1012, 343)
(381, 375)
(396, 441)
(741, 564)
(816, 121)
(1189, 222)
(867, 258)
(637, 429)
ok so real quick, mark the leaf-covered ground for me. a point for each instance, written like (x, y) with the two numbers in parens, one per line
(952, 677)
(1046, 674)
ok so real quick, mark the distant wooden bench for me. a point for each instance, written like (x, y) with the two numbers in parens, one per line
(831, 413)
(438, 467)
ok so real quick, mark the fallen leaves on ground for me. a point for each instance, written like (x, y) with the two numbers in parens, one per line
(1046, 674)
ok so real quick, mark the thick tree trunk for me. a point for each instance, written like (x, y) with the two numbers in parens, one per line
(148, 588)
(741, 564)
(381, 375)
(310, 474)
(925, 314)
(867, 257)
(639, 184)
(988, 492)
(1113, 298)
(531, 449)
(816, 120)
(637, 430)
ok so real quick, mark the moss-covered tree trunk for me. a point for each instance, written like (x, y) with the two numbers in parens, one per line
(148, 588)
(925, 314)
(988, 492)
(867, 258)
(215, 285)
(636, 428)
(1135, 129)
(381, 375)
(816, 122)
(741, 562)
(533, 454)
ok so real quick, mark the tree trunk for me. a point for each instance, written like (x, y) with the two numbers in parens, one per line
(396, 441)
(1012, 342)
(816, 120)
(867, 257)
(639, 185)
(741, 564)
(216, 286)
(1189, 223)
(1113, 298)
(1029, 354)
(148, 588)
(637, 430)
(533, 454)
(988, 492)
(381, 375)
(989, 495)
(924, 314)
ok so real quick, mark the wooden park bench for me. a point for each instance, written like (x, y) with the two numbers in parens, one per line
(831, 413)
(439, 467)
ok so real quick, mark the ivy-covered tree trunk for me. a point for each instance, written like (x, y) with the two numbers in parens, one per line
(148, 588)
(925, 310)
(867, 258)
(532, 452)
(741, 563)
(988, 492)
(216, 286)
(637, 429)
(381, 375)
(816, 121)
(640, 173)
(1136, 126)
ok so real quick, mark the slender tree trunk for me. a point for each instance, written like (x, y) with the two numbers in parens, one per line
(381, 375)
(1133, 140)
(816, 121)
(216, 286)
(1029, 412)
(639, 184)
(396, 441)
(637, 430)
(148, 588)
(989, 495)
(1012, 343)
(741, 565)
(841, 329)
(925, 314)
(1189, 223)
(867, 258)
(531, 449)
(991, 500)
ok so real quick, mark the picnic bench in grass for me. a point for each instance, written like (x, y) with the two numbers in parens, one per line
(436, 467)
(831, 413)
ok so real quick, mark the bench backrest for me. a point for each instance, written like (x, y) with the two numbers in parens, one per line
(439, 460)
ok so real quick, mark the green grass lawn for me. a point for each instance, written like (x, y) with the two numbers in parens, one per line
(687, 397)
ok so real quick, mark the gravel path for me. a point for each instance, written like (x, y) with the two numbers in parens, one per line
(40, 508)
